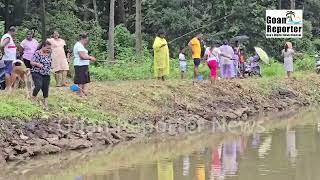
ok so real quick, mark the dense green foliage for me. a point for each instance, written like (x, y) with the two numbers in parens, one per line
(177, 17)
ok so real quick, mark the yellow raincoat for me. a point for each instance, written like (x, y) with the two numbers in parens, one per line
(161, 57)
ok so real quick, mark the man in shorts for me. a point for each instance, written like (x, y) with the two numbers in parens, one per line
(195, 46)
(9, 49)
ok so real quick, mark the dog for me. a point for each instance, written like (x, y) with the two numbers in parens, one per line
(21, 74)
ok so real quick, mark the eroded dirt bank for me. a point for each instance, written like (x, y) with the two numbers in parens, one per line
(175, 107)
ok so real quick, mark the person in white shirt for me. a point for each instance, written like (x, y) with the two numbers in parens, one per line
(213, 55)
(9, 50)
(81, 64)
(182, 63)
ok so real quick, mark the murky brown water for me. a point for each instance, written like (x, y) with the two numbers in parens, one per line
(289, 149)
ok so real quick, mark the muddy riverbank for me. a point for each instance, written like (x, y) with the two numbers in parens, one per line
(178, 108)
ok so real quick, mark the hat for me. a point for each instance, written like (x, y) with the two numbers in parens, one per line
(289, 44)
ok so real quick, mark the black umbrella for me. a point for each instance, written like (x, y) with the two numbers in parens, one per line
(240, 39)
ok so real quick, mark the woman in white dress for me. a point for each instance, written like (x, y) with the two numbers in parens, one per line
(288, 54)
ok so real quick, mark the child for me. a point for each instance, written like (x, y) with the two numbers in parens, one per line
(183, 63)
(235, 59)
(212, 56)
(242, 62)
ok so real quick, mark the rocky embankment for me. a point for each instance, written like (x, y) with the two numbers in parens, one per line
(185, 106)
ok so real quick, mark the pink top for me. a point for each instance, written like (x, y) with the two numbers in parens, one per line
(29, 48)
(59, 59)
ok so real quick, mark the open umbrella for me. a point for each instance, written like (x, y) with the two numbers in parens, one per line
(240, 39)
(262, 54)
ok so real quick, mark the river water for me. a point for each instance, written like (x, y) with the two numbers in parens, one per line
(282, 148)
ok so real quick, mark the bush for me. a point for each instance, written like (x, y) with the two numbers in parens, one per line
(274, 69)
(305, 63)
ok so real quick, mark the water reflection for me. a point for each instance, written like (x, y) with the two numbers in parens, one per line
(216, 162)
(265, 147)
(288, 151)
(200, 172)
(186, 166)
(165, 170)
(291, 146)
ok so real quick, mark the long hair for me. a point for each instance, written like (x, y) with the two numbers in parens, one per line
(286, 47)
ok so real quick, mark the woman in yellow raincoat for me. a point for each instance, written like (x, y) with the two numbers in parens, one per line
(161, 56)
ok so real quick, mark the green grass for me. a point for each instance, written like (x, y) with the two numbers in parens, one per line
(144, 70)
(16, 106)
(141, 71)
(273, 69)
(114, 101)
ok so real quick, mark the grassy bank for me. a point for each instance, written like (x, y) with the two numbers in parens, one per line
(144, 70)
(118, 101)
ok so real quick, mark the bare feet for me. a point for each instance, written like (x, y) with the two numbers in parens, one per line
(45, 104)
(34, 99)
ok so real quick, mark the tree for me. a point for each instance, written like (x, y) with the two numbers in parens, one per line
(293, 4)
(111, 32)
(6, 15)
(290, 15)
(43, 20)
(95, 8)
(279, 4)
(138, 29)
(121, 12)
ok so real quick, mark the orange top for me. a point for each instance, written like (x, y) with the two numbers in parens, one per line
(196, 48)
(242, 58)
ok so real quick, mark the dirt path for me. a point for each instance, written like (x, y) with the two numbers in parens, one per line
(122, 111)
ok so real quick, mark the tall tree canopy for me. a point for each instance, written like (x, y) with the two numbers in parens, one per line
(176, 17)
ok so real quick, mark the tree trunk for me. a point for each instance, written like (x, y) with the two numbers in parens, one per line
(121, 12)
(95, 8)
(279, 4)
(43, 20)
(111, 32)
(6, 15)
(26, 6)
(293, 4)
(86, 14)
(138, 30)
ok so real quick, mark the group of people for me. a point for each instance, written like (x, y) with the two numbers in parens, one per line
(229, 60)
(51, 55)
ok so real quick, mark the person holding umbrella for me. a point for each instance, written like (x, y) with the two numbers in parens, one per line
(261, 55)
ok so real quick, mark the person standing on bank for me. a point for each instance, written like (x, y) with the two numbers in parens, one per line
(81, 64)
(41, 67)
(60, 64)
(288, 54)
(195, 46)
(28, 47)
(161, 56)
(9, 49)
(226, 61)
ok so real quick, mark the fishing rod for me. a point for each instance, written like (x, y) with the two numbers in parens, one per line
(195, 30)
(224, 17)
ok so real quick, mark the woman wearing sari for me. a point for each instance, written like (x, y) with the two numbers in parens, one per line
(161, 56)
